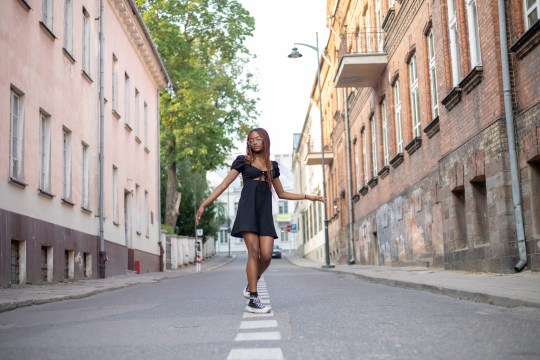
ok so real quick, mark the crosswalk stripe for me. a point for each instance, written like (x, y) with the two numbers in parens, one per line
(259, 354)
(258, 324)
(254, 336)
(252, 315)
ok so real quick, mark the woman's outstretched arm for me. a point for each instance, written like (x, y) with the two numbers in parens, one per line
(282, 194)
(218, 191)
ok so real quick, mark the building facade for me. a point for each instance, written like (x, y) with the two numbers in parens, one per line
(444, 151)
(50, 124)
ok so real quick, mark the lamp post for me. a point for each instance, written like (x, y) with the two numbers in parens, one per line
(294, 55)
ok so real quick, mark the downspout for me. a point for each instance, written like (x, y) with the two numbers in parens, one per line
(514, 172)
(158, 212)
(349, 177)
(102, 253)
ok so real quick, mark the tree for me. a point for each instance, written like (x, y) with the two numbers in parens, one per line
(212, 99)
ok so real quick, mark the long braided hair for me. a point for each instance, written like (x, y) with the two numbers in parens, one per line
(266, 153)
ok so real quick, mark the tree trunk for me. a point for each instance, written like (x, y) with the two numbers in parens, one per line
(172, 204)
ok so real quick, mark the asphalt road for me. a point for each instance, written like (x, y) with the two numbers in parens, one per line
(317, 315)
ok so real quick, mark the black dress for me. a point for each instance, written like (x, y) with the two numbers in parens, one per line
(255, 206)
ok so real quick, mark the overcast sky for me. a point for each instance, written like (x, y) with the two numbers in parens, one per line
(285, 83)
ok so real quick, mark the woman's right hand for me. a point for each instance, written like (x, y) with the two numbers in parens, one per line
(200, 211)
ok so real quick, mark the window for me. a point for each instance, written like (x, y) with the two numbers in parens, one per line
(45, 152)
(531, 12)
(136, 113)
(146, 214)
(432, 76)
(66, 159)
(283, 207)
(86, 42)
(369, 31)
(126, 99)
(137, 209)
(115, 195)
(474, 37)
(374, 163)
(145, 120)
(364, 157)
(454, 54)
(386, 154)
(357, 163)
(47, 7)
(115, 84)
(415, 106)
(378, 25)
(68, 26)
(85, 201)
(397, 118)
(16, 136)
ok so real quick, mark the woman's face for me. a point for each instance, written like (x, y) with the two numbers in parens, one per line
(255, 141)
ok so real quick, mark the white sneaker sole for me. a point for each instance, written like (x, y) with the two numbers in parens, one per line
(246, 293)
(264, 310)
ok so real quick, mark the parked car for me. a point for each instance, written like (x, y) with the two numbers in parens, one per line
(276, 252)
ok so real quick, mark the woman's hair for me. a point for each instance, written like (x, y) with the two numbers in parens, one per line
(266, 153)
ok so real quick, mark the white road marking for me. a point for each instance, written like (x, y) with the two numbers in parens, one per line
(258, 324)
(254, 336)
(259, 354)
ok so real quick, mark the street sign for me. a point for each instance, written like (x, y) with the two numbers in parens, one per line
(288, 228)
(294, 227)
(199, 232)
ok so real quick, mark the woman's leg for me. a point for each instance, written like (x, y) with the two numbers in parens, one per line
(266, 245)
(252, 267)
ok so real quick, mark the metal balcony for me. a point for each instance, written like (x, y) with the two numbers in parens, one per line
(314, 153)
(362, 59)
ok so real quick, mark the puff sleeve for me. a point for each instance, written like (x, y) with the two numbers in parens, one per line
(239, 163)
(275, 170)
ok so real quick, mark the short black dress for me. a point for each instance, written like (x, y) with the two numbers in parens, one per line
(255, 206)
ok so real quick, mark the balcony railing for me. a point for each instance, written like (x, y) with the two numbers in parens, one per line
(362, 59)
(314, 154)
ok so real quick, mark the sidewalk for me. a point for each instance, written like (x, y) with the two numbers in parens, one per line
(12, 298)
(519, 289)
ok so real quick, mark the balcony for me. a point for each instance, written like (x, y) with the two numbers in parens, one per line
(314, 153)
(362, 59)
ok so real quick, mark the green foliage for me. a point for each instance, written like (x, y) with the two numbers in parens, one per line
(211, 99)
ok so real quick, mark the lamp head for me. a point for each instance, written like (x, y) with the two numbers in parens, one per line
(295, 54)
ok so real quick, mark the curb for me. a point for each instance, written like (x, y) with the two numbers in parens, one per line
(459, 294)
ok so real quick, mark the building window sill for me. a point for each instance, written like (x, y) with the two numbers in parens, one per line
(363, 190)
(452, 98)
(127, 127)
(47, 30)
(116, 223)
(147, 150)
(68, 202)
(45, 193)
(384, 172)
(25, 4)
(86, 76)
(414, 145)
(397, 160)
(18, 183)
(86, 210)
(356, 197)
(116, 114)
(137, 139)
(473, 78)
(432, 128)
(373, 182)
(69, 56)
(527, 42)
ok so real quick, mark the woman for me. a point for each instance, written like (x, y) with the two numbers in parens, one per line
(254, 222)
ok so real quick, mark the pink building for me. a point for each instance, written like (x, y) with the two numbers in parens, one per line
(51, 181)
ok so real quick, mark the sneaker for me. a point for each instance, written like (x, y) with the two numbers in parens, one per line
(256, 306)
(246, 292)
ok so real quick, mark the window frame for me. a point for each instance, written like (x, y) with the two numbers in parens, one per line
(85, 179)
(115, 209)
(453, 43)
(16, 136)
(397, 117)
(384, 120)
(67, 153)
(432, 75)
(45, 151)
(474, 35)
(127, 86)
(374, 157)
(86, 42)
(414, 97)
(357, 164)
(535, 7)
(68, 26)
(115, 84)
(47, 13)
(364, 157)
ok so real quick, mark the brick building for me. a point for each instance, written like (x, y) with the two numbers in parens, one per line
(421, 84)
(50, 140)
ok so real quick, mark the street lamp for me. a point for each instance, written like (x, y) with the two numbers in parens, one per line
(295, 54)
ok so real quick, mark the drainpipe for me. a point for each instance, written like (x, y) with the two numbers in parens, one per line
(102, 253)
(158, 192)
(349, 177)
(514, 172)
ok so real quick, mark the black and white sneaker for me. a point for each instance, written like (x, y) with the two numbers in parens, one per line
(246, 292)
(256, 306)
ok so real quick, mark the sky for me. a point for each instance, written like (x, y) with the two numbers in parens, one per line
(285, 84)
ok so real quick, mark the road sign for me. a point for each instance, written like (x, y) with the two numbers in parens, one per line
(294, 227)
(288, 228)
(199, 232)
